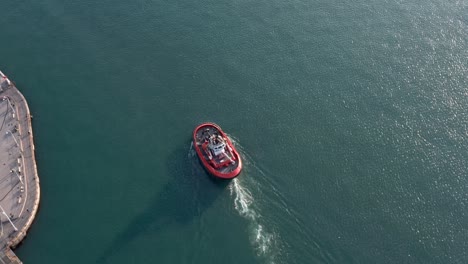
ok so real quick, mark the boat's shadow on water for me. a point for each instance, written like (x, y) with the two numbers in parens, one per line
(185, 197)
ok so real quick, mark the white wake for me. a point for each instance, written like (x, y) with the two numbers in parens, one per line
(264, 241)
(261, 239)
(191, 153)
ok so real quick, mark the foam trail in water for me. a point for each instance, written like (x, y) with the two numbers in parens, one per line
(191, 152)
(263, 241)
(242, 200)
(244, 204)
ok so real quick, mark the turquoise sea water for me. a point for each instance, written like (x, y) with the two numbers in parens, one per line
(351, 117)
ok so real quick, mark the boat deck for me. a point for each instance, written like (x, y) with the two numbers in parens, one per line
(226, 166)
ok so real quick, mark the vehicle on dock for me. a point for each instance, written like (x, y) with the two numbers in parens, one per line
(216, 152)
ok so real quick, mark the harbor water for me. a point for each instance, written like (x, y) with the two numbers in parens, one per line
(351, 118)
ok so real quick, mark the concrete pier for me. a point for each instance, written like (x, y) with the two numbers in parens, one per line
(19, 182)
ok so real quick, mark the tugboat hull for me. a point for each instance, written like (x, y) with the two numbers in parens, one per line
(216, 152)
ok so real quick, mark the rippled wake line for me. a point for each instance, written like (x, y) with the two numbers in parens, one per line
(191, 153)
(266, 243)
(262, 240)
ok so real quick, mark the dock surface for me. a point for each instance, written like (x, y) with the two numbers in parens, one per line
(19, 182)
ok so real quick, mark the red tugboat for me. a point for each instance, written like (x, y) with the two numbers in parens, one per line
(216, 152)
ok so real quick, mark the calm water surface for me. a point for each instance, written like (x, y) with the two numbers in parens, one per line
(352, 119)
